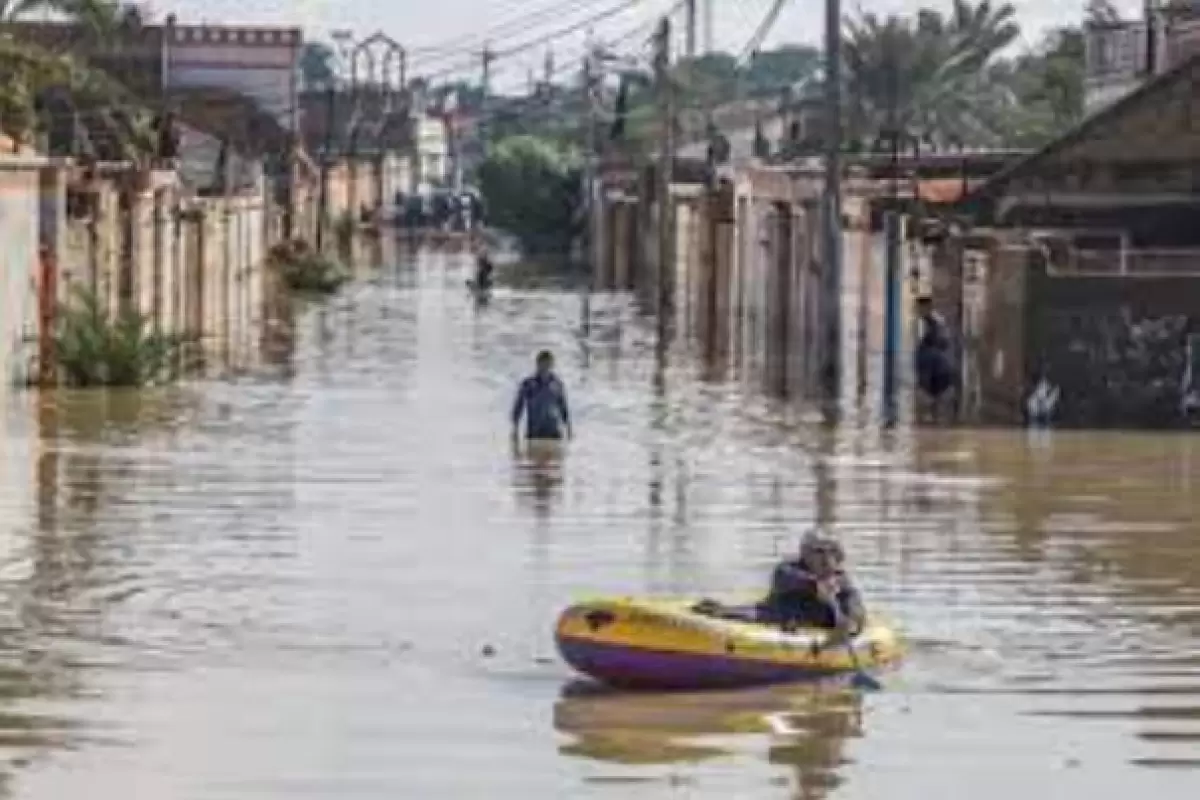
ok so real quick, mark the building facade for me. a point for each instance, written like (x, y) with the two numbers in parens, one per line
(260, 63)
(152, 60)
(1121, 55)
(432, 153)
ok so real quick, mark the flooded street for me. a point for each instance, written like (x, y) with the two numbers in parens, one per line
(341, 582)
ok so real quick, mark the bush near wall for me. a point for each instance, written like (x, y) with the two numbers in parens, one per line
(304, 270)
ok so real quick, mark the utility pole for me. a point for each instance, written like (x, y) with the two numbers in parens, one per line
(708, 26)
(666, 232)
(690, 5)
(591, 79)
(893, 233)
(831, 256)
(326, 155)
(485, 84)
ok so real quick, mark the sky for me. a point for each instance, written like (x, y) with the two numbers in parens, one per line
(444, 36)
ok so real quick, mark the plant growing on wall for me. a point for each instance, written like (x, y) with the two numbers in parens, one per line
(93, 348)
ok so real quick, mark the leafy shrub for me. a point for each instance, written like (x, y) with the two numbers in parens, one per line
(305, 270)
(93, 348)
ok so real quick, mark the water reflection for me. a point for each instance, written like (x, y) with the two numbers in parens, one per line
(279, 588)
(538, 473)
(805, 729)
(56, 579)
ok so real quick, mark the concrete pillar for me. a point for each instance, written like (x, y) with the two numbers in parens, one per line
(723, 260)
(779, 299)
(603, 229)
(158, 261)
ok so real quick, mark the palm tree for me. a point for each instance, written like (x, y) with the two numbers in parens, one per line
(318, 65)
(32, 70)
(92, 11)
(929, 75)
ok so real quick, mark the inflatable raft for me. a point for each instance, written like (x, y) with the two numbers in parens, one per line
(670, 644)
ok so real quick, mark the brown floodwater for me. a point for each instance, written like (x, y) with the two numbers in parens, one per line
(335, 580)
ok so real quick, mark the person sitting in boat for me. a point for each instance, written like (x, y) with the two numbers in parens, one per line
(542, 399)
(814, 590)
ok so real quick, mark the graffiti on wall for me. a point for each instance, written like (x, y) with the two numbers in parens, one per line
(1190, 403)
(1115, 364)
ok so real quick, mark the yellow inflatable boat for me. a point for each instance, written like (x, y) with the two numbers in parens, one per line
(679, 644)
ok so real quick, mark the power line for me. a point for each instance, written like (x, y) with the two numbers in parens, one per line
(520, 23)
(559, 33)
(532, 107)
(763, 30)
(534, 110)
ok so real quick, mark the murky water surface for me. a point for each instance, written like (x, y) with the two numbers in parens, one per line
(283, 587)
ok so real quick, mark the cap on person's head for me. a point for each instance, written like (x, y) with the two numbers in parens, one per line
(810, 540)
(924, 300)
(814, 541)
(545, 357)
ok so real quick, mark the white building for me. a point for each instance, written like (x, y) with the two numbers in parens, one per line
(431, 151)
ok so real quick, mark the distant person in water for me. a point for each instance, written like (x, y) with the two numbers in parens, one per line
(484, 268)
(542, 400)
(934, 362)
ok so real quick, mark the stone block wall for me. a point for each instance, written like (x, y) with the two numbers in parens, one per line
(1116, 347)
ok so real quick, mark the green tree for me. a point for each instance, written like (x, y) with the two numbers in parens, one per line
(934, 76)
(531, 187)
(713, 76)
(1101, 11)
(32, 70)
(317, 65)
(771, 71)
(98, 15)
(1047, 86)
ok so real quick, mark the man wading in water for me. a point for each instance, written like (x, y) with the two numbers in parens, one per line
(542, 399)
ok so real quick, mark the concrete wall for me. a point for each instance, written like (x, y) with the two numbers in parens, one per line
(19, 232)
(747, 271)
(748, 274)
(191, 266)
(1114, 346)
(353, 184)
(747, 277)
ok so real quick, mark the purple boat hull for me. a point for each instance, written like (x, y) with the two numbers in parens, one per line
(640, 668)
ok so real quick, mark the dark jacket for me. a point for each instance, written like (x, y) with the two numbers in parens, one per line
(483, 271)
(794, 598)
(543, 401)
(934, 362)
